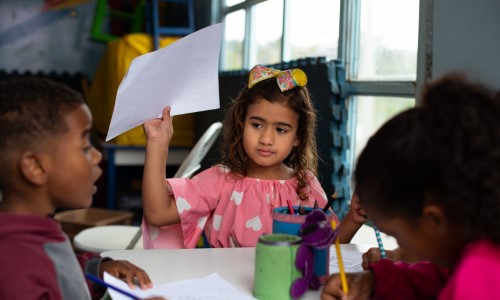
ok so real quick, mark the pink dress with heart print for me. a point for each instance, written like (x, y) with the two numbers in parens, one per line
(232, 212)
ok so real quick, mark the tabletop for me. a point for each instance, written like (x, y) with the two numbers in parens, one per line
(235, 265)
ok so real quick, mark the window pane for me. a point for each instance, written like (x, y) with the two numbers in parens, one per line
(313, 28)
(267, 27)
(233, 2)
(232, 47)
(372, 112)
(388, 40)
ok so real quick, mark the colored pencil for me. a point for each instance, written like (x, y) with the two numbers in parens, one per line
(330, 202)
(290, 207)
(104, 283)
(379, 241)
(343, 278)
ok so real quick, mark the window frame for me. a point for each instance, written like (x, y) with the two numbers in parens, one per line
(347, 53)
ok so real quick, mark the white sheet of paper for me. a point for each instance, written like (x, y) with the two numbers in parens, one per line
(211, 287)
(352, 260)
(184, 75)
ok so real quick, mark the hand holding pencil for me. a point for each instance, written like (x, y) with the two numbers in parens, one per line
(345, 288)
(361, 286)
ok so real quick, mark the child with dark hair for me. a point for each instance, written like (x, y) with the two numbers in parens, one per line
(430, 177)
(269, 156)
(47, 162)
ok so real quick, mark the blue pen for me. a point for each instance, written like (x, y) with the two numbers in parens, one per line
(379, 241)
(102, 282)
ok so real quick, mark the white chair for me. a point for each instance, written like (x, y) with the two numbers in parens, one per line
(102, 238)
(192, 163)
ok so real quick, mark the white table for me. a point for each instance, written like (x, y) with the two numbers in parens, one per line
(236, 265)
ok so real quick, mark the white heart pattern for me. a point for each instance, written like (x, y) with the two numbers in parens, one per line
(182, 205)
(201, 222)
(237, 197)
(217, 221)
(153, 232)
(254, 223)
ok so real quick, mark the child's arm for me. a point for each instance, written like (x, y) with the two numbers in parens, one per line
(351, 223)
(159, 206)
(388, 280)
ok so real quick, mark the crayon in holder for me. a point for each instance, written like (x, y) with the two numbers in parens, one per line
(285, 223)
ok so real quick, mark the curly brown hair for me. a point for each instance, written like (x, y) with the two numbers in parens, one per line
(303, 159)
(449, 147)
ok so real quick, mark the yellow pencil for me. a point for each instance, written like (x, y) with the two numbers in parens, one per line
(343, 279)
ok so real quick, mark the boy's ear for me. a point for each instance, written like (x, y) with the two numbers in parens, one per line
(31, 165)
(435, 219)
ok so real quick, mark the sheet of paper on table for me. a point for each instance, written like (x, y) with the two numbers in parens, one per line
(211, 287)
(352, 261)
(184, 75)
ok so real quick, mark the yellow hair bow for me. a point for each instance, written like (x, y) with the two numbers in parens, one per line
(286, 80)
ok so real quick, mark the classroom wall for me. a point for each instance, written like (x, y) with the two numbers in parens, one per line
(464, 36)
(55, 41)
(30, 40)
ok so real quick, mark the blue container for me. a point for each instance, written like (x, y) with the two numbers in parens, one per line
(284, 222)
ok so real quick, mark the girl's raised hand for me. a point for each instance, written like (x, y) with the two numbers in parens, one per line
(159, 130)
(361, 286)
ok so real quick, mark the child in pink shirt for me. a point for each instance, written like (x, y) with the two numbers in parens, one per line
(430, 177)
(268, 157)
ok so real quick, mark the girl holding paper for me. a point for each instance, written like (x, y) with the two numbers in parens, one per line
(268, 157)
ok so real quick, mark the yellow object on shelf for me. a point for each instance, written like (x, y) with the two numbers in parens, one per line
(102, 94)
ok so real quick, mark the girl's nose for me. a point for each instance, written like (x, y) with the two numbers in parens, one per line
(266, 137)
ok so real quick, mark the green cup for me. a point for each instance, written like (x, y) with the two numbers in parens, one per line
(275, 266)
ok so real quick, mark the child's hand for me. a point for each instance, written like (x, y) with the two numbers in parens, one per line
(352, 221)
(360, 285)
(373, 255)
(398, 254)
(124, 270)
(356, 212)
(160, 129)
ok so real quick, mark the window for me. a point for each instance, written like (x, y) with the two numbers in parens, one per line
(234, 32)
(312, 31)
(271, 31)
(387, 40)
(371, 112)
(266, 30)
(380, 52)
(376, 41)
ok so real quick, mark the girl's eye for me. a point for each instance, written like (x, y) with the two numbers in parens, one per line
(281, 130)
(87, 148)
(256, 125)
